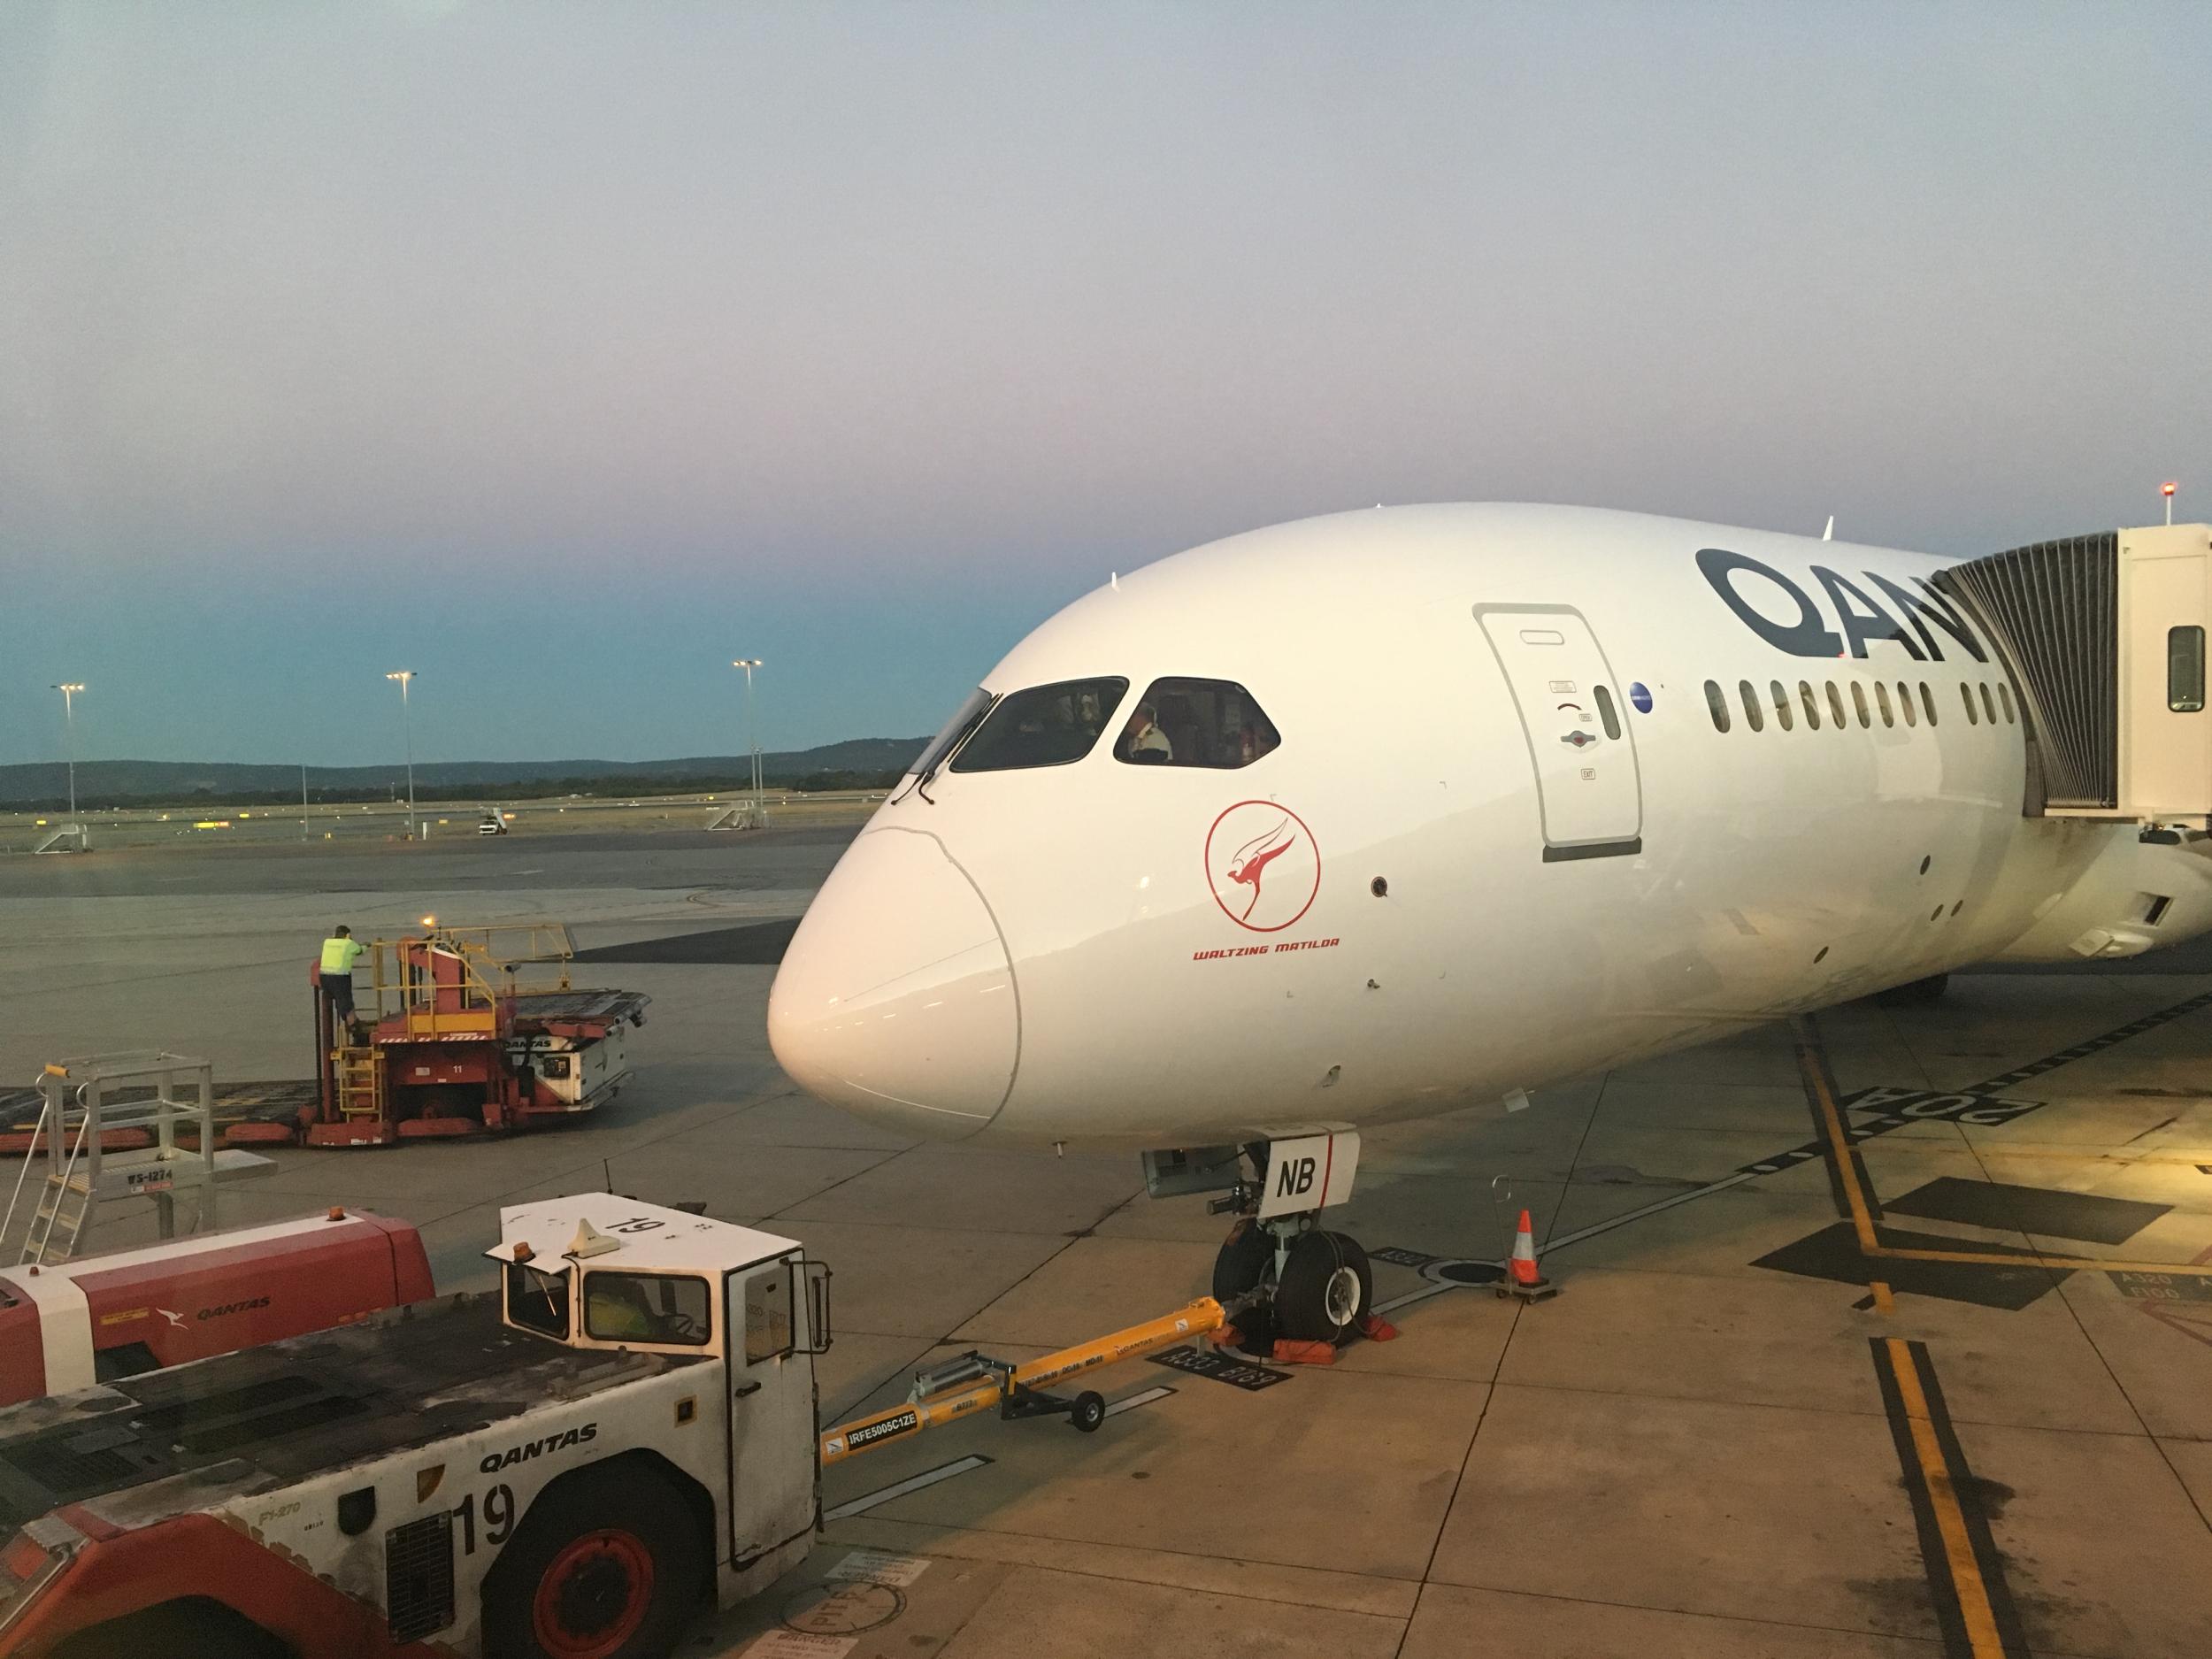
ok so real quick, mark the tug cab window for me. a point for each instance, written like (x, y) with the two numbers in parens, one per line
(538, 1302)
(1045, 725)
(1210, 723)
(662, 1307)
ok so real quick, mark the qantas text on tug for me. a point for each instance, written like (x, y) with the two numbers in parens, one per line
(1389, 813)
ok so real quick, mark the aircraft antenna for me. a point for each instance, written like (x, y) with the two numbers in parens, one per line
(1828, 534)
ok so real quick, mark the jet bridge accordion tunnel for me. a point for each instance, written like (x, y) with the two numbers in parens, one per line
(2104, 637)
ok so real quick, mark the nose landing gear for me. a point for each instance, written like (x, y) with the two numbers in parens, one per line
(1278, 1272)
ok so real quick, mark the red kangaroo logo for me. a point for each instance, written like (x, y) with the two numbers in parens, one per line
(1250, 861)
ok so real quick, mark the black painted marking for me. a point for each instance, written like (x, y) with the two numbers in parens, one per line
(1220, 1368)
(1833, 1254)
(2094, 1045)
(1401, 1256)
(2037, 1210)
(757, 944)
(1968, 1491)
(1909, 1105)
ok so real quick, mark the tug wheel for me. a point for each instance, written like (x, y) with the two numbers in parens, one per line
(1089, 1411)
(1327, 1284)
(598, 1571)
(1247, 1255)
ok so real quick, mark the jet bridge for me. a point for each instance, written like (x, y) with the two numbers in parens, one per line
(2104, 636)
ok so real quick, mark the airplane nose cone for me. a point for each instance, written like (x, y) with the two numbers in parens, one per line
(895, 999)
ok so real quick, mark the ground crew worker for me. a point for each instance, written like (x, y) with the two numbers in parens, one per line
(340, 951)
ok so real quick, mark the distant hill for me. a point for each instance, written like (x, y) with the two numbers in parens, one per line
(856, 762)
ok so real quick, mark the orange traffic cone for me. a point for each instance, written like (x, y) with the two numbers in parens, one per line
(1522, 1280)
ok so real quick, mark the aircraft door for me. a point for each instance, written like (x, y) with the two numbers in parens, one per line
(771, 1322)
(1587, 787)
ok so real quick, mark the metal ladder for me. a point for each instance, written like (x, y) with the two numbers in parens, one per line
(360, 1082)
(65, 1198)
(78, 1111)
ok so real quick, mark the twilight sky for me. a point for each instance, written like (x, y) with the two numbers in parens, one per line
(563, 353)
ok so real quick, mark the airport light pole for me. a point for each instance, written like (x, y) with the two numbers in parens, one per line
(752, 735)
(407, 737)
(2167, 490)
(69, 725)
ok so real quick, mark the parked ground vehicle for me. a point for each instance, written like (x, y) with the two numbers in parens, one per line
(67, 1326)
(551, 1468)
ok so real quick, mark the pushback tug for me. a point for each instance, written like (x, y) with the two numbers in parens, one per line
(620, 1436)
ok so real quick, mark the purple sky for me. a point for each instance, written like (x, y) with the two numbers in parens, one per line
(564, 353)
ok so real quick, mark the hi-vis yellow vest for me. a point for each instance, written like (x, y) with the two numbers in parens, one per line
(340, 955)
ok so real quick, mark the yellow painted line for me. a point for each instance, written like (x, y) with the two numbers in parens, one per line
(1958, 1549)
(1862, 1216)
(1883, 1302)
(1838, 1143)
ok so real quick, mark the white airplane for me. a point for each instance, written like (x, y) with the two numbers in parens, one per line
(1392, 813)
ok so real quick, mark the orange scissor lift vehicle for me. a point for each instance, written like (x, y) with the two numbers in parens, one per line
(458, 1040)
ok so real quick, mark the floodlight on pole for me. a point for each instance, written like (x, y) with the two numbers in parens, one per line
(752, 735)
(407, 737)
(69, 725)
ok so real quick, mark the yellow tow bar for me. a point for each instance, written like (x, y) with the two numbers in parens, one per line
(969, 1386)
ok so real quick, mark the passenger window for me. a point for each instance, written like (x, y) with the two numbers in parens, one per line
(1835, 707)
(1211, 723)
(1927, 701)
(2185, 670)
(1607, 715)
(2004, 695)
(1881, 698)
(1045, 725)
(1782, 705)
(1752, 716)
(662, 1307)
(1812, 705)
(1966, 696)
(1989, 708)
(1904, 696)
(538, 1302)
(1858, 701)
(1717, 701)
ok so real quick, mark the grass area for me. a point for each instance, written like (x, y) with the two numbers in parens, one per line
(386, 821)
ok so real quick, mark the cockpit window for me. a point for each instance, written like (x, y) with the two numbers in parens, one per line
(964, 720)
(1212, 723)
(1045, 725)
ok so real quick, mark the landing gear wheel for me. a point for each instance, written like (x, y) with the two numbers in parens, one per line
(1328, 1286)
(1088, 1412)
(604, 1568)
(1247, 1255)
